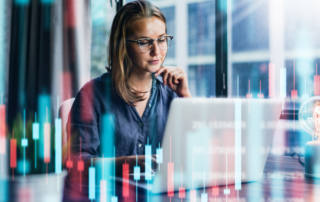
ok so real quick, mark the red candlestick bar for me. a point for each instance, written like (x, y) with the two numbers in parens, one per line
(271, 80)
(170, 179)
(316, 85)
(294, 94)
(2, 132)
(125, 181)
(80, 169)
(2, 129)
(69, 163)
(170, 176)
(182, 190)
(13, 154)
(215, 191)
(47, 142)
(80, 166)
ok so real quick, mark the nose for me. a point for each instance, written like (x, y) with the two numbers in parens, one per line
(155, 49)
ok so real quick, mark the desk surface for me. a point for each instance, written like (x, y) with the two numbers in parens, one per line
(283, 180)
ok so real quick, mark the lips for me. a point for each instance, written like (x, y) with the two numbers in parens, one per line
(154, 62)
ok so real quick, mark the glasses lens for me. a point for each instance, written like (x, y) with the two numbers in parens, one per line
(145, 45)
(164, 42)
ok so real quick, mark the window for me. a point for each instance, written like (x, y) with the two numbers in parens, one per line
(102, 15)
(249, 49)
(201, 80)
(278, 32)
(201, 28)
(302, 46)
(201, 45)
(250, 75)
(169, 13)
(192, 23)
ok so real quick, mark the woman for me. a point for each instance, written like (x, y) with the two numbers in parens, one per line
(126, 108)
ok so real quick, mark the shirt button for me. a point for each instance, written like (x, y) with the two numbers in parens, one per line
(154, 88)
(141, 123)
(149, 105)
(140, 145)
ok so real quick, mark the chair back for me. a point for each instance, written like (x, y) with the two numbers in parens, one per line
(64, 110)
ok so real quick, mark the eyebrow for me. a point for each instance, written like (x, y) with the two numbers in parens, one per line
(149, 37)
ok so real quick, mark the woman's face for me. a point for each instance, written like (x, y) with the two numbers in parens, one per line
(150, 61)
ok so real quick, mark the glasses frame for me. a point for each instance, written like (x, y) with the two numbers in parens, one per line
(153, 40)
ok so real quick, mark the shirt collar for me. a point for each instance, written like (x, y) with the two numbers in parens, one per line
(159, 78)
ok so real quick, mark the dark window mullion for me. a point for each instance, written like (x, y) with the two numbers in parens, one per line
(119, 4)
(221, 49)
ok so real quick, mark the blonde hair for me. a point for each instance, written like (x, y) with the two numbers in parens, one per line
(119, 63)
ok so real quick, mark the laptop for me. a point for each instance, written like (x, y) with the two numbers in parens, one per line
(211, 142)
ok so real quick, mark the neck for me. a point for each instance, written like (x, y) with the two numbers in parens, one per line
(140, 81)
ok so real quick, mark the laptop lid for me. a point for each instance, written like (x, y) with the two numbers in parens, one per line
(212, 142)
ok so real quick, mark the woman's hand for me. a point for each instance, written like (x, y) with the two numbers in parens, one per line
(176, 79)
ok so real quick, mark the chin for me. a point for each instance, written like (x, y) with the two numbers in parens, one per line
(153, 68)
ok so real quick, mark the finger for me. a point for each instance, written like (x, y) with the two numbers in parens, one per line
(159, 71)
(175, 79)
(171, 72)
(169, 79)
(164, 75)
(178, 77)
(173, 75)
(162, 69)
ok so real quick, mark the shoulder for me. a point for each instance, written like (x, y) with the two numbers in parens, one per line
(94, 94)
(96, 91)
(98, 83)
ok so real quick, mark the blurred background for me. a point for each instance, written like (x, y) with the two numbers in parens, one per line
(51, 48)
(229, 48)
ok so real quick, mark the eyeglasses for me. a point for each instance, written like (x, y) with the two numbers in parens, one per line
(146, 44)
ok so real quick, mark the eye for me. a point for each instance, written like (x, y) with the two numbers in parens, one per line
(144, 42)
(162, 39)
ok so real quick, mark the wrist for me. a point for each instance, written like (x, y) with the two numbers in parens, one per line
(185, 95)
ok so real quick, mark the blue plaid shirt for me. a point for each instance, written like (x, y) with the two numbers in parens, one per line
(131, 132)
